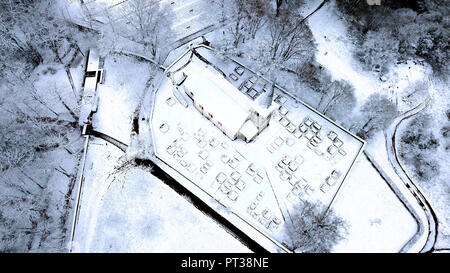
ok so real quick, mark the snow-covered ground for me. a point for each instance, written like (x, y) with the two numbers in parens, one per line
(185, 16)
(168, 112)
(335, 49)
(124, 83)
(129, 210)
(158, 219)
(191, 16)
(335, 53)
(378, 220)
(377, 149)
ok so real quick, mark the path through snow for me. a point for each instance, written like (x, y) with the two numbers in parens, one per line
(335, 53)
(335, 50)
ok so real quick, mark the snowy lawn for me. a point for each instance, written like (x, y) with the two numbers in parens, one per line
(190, 16)
(377, 149)
(335, 53)
(119, 95)
(130, 210)
(378, 220)
(141, 214)
(335, 50)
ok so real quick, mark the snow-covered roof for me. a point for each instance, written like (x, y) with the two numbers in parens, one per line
(90, 86)
(249, 130)
(215, 98)
(93, 60)
(228, 88)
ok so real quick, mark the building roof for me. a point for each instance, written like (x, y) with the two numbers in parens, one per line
(249, 130)
(90, 86)
(217, 97)
(93, 60)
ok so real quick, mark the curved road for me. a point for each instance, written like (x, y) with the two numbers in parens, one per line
(390, 136)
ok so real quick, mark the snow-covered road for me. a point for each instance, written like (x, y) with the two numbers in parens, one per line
(390, 135)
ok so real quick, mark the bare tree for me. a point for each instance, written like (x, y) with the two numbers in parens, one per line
(397, 31)
(235, 12)
(256, 12)
(278, 4)
(110, 33)
(33, 120)
(27, 135)
(246, 18)
(220, 4)
(310, 230)
(31, 216)
(14, 28)
(289, 39)
(148, 21)
(418, 147)
(238, 25)
(377, 113)
(28, 28)
(338, 98)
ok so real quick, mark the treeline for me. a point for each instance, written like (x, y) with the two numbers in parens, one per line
(418, 145)
(38, 113)
(33, 33)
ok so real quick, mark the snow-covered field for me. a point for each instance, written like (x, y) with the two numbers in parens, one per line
(335, 50)
(186, 16)
(124, 83)
(378, 220)
(129, 210)
(377, 149)
(191, 16)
